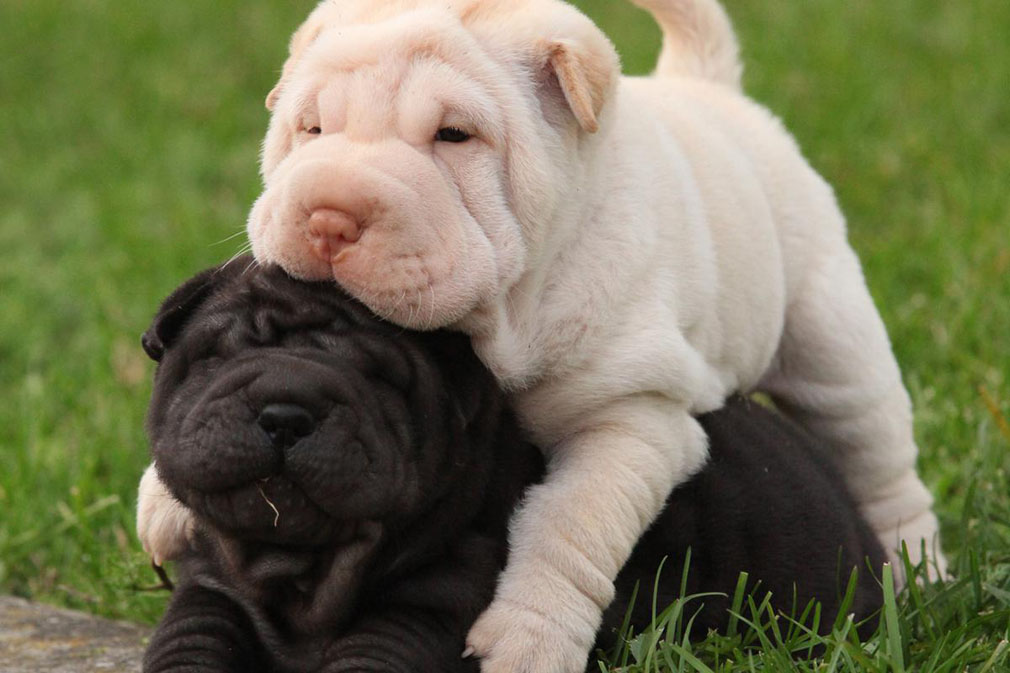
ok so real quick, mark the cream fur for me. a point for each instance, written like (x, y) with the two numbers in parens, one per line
(164, 525)
(618, 281)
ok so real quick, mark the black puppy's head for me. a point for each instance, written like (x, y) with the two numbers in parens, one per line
(320, 448)
(285, 412)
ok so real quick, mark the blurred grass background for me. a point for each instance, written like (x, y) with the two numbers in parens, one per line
(128, 157)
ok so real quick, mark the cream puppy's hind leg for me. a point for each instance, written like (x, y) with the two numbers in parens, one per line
(574, 532)
(164, 525)
(836, 375)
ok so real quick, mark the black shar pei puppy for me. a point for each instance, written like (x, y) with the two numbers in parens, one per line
(352, 484)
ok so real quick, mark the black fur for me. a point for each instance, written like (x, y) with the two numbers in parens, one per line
(372, 543)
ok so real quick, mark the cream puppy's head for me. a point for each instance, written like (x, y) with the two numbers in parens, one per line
(418, 149)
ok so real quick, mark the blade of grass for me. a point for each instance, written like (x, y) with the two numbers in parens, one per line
(892, 627)
(734, 610)
(998, 655)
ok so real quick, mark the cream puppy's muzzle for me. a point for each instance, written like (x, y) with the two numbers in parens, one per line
(341, 209)
(331, 231)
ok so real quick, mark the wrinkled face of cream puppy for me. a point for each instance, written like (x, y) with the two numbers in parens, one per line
(417, 150)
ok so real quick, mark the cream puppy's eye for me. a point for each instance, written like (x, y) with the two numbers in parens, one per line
(314, 130)
(451, 134)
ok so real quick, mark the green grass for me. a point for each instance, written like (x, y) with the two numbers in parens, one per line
(128, 153)
(932, 629)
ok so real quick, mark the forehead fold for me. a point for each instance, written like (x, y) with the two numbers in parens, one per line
(441, 89)
(425, 59)
(404, 37)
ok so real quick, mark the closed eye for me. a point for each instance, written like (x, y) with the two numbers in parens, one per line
(451, 134)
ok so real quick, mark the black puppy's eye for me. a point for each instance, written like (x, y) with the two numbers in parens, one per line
(451, 134)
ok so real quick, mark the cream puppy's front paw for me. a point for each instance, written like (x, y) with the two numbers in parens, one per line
(164, 525)
(509, 638)
(573, 532)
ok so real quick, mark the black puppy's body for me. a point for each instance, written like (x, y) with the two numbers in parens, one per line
(353, 483)
(769, 502)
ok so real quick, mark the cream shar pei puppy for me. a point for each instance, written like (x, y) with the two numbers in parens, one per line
(624, 253)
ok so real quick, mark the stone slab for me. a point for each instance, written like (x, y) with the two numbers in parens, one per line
(36, 638)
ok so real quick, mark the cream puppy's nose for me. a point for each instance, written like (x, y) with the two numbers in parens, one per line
(331, 231)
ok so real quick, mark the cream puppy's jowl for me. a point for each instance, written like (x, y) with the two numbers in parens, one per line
(623, 252)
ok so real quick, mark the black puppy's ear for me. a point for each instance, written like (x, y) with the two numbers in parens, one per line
(181, 304)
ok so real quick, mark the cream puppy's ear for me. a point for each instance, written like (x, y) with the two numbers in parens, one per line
(587, 74)
(300, 41)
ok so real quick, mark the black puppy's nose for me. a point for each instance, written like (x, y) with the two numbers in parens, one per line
(286, 423)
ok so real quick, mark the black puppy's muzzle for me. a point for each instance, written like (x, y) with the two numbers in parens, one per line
(287, 446)
(286, 423)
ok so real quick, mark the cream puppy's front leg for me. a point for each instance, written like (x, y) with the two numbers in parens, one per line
(605, 485)
(164, 525)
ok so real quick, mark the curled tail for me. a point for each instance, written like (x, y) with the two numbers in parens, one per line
(698, 40)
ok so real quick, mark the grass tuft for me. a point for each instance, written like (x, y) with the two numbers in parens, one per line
(764, 640)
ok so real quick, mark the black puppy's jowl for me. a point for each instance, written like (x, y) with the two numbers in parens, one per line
(352, 484)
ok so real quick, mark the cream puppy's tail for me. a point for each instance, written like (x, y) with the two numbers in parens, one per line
(698, 40)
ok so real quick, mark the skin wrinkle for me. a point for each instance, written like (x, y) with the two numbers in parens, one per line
(477, 115)
(405, 259)
(190, 440)
(416, 48)
(544, 614)
(589, 559)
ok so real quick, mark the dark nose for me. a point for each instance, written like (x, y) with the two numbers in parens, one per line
(285, 424)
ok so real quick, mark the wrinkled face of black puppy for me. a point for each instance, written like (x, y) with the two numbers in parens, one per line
(286, 413)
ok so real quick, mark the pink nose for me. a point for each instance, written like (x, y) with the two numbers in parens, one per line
(331, 231)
